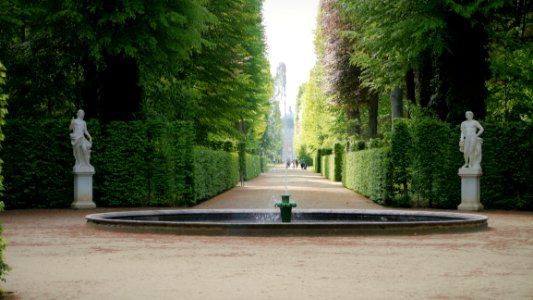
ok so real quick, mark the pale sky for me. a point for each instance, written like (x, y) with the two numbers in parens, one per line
(289, 29)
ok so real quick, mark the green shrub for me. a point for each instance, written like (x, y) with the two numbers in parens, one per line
(507, 180)
(137, 163)
(366, 172)
(435, 160)
(424, 159)
(319, 154)
(328, 166)
(338, 151)
(252, 166)
(38, 163)
(123, 165)
(214, 172)
(401, 145)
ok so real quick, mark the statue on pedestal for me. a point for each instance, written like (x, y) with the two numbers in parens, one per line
(470, 142)
(81, 143)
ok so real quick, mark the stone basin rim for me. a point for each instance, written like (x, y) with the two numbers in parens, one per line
(451, 222)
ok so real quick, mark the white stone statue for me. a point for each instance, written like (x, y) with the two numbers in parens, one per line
(470, 142)
(80, 145)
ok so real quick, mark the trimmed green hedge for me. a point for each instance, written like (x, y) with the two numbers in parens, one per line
(507, 180)
(338, 152)
(318, 159)
(137, 163)
(38, 163)
(214, 172)
(144, 163)
(328, 166)
(435, 160)
(252, 166)
(366, 172)
(420, 166)
(331, 162)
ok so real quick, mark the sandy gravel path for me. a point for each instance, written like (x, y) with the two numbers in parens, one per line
(54, 255)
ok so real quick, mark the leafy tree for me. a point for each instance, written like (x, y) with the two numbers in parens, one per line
(342, 79)
(443, 41)
(511, 49)
(111, 52)
(232, 74)
(315, 120)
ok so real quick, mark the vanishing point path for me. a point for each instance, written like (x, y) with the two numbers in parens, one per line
(54, 255)
(306, 188)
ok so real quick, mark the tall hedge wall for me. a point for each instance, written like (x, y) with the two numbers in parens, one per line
(144, 164)
(420, 167)
(328, 166)
(252, 166)
(366, 172)
(214, 172)
(38, 163)
(435, 160)
(318, 159)
(507, 180)
(137, 163)
(338, 152)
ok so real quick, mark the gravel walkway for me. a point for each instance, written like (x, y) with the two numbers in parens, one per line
(54, 255)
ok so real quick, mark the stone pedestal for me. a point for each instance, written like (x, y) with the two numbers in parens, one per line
(83, 190)
(470, 192)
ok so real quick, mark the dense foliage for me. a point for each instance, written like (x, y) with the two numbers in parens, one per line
(338, 152)
(433, 60)
(435, 158)
(4, 268)
(143, 164)
(445, 56)
(138, 163)
(38, 163)
(253, 166)
(507, 164)
(366, 172)
(214, 172)
(423, 173)
(202, 62)
(181, 73)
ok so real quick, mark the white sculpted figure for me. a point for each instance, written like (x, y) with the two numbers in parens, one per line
(80, 145)
(470, 142)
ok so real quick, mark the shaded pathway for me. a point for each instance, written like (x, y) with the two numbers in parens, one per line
(307, 188)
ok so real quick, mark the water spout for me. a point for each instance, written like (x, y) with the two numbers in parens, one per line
(285, 207)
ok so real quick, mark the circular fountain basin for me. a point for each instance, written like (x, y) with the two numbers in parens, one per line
(248, 222)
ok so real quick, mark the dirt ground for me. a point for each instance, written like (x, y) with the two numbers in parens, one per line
(54, 255)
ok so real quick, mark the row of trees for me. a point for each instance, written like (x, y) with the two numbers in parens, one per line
(199, 61)
(378, 59)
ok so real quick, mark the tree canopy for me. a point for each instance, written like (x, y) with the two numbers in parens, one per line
(200, 61)
(445, 57)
